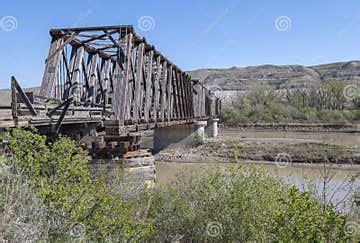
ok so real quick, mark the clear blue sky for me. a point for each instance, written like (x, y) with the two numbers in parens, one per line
(193, 34)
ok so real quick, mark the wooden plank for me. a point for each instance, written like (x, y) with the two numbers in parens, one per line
(203, 100)
(138, 79)
(62, 116)
(118, 76)
(200, 100)
(191, 97)
(66, 41)
(92, 78)
(127, 28)
(169, 91)
(143, 87)
(124, 108)
(23, 96)
(51, 68)
(196, 96)
(148, 89)
(76, 78)
(186, 99)
(14, 104)
(105, 73)
(157, 89)
(163, 91)
(182, 96)
(135, 154)
(118, 92)
(86, 76)
(131, 93)
(175, 103)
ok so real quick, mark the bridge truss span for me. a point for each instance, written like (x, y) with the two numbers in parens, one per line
(114, 70)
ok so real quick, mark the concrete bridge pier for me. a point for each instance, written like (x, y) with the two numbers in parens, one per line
(186, 135)
(211, 129)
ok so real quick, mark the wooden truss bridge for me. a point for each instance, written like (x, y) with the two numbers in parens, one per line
(108, 79)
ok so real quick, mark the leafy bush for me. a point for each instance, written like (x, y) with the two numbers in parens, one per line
(60, 175)
(331, 116)
(240, 204)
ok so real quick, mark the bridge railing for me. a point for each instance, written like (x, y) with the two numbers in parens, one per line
(114, 69)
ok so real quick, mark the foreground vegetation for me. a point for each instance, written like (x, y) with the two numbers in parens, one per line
(47, 192)
(326, 103)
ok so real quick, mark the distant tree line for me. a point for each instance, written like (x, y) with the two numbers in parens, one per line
(329, 96)
(327, 102)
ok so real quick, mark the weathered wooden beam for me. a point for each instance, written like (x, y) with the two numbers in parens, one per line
(76, 71)
(163, 82)
(62, 115)
(14, 104)
(62, 31)
(181, 95)
(91, 92)
(175, 103)
(124, 111)
(56, 108)
(148, 89)
(131, 93)
(143, 87)
(157, 89)
(191, 103)
(105, 73)
(138, 80)
(25, 99)
(49, 79)
(169, 89)
(60, 49)
(106, 34)
(186, 98)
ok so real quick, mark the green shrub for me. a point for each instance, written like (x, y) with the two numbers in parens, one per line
(240, 204)
(331, 116)
(60, 175)
(310, 114)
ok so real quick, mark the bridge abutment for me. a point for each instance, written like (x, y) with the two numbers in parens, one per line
(180, 135)
(211, 129)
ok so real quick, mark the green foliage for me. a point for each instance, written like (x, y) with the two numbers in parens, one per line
(60, 175)
(302, 219)
(245, 204)
(241, 202)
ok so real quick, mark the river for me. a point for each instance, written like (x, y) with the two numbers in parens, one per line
(335, 180)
